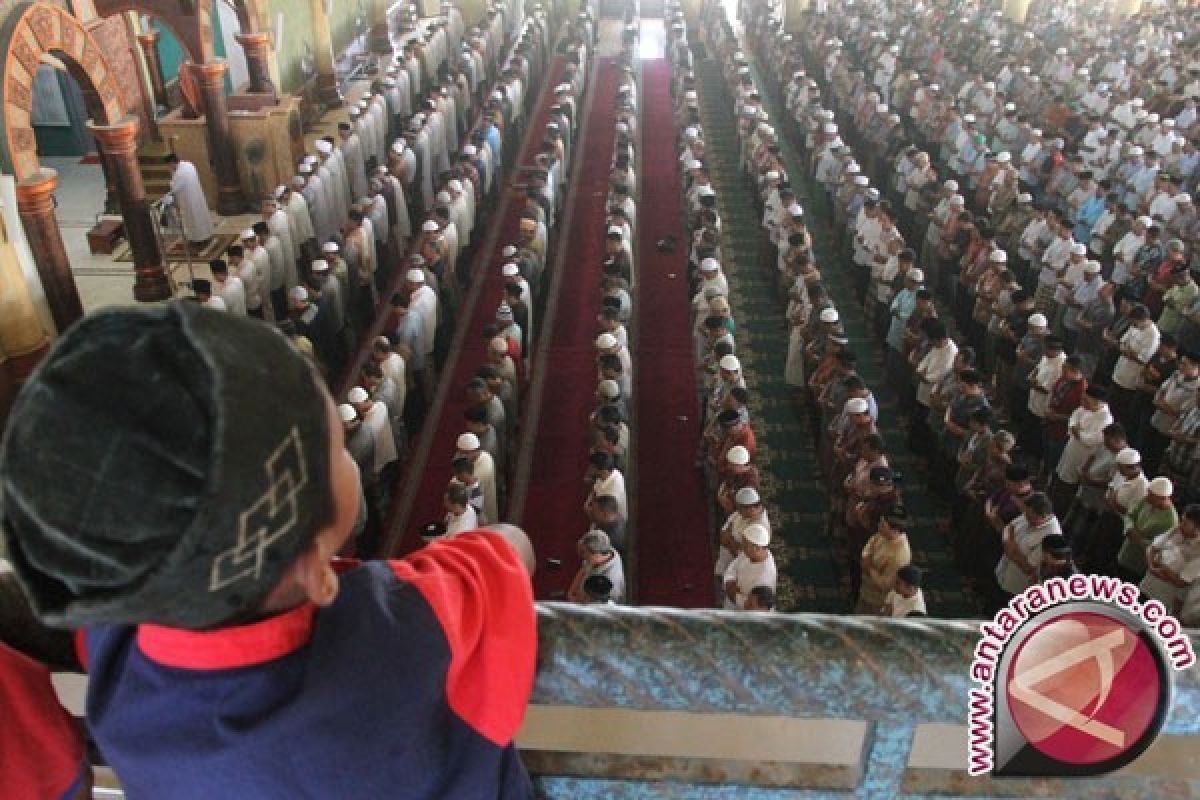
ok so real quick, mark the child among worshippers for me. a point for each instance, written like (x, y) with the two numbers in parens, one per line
(906, 596)
(192, 548)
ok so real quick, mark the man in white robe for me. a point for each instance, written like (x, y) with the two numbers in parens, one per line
(334, 183)
(190, 200)
(352, 151)
(277, 220)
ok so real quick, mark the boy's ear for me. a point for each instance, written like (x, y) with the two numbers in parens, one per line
(313, 573)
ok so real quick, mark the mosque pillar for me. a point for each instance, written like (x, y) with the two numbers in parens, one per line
(381, 37)
(91, 99)
(35, 204)
(257, 47)
(793, 15)
(210, 77)
(1015, 10)
(23, 339)
(158, 85)
(1127, 8)
(118, 147)
(327, 82)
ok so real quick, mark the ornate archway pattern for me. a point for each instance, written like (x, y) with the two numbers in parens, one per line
(34, 29)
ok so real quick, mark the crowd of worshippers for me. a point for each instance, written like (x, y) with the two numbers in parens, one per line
(325, 267)
(1039, 319)
(483, 459)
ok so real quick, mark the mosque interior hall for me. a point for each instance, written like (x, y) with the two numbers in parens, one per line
(696, 386)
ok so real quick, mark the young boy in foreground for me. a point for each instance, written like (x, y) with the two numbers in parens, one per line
(174, 484)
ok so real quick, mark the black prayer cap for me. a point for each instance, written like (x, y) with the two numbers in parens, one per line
(137, 485)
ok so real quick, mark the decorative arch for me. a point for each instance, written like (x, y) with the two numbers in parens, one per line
(178, 17)
(31, 31)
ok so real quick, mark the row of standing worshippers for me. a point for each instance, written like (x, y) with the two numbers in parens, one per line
(604, 546)
(328, 298)
(745, 575)
(868, 511)
(482, 462)
(1094, 471)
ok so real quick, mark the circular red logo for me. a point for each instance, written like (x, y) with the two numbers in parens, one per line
(1084, 688)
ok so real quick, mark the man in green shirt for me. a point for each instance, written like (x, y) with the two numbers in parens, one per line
(1152, 515)
(1178, 299)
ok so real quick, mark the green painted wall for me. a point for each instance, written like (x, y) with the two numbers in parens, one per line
(171, 53)
(341, 21)
(297, 31)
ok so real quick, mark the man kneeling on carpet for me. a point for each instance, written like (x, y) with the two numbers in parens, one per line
(190, 541)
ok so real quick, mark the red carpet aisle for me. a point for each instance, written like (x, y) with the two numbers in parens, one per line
(430, 466)
(553, 514)
(674, 556)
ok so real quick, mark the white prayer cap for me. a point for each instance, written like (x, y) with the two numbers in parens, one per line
(796, 210)
(442, 197)
(1092, 267)
(1035, 132)
(881, 108)
(1082, 71)
(1152, 118)
(1037, 320)
(398, 146)
(916, 275)
(1024, 197)
(694, 164)
(320, 265)
(1010, 107)
(969, 118)
(615, 230)
(743, 70)
(562, 87)
(455, 185)
(1136, 151)
(305, 169)
(1144, 221)
(1183, 197)
(933, 87)
(467, 442)
(709, 265)
(951, 186)
(1128, 457)
(956, 200)
(830, 128)
(430, 226)
(509, 251)
(856, 405)
(1168, 123)
(998, 257)
(354, 112)
(496, 96)
(330, 247)
(873, 194)
(730, 363)
(1003, 157)
(469, 150)
(299, 294)
(738, 455)
(1161, 487)
(853, 168)
(323, 147)
(609, 388)
(381, 170)
(358, 395)
(298, 181)
(605, 341)
(1137, 102)
(746, 496)
(280, 191)
(347, 413)
(772, 175)
(862, 180)
(498, 345)
(1062, 51)
(509, 270)
(248, 234)
(756, 534)
(829, 315)
(415, 276)
(1079, 249)
(894, 48)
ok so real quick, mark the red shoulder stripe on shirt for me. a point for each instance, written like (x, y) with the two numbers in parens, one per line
(481, 594)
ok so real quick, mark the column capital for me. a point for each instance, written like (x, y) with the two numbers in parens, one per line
(118, 139)
(210, 74)
(255, 39)
(148, 38)
(35, 194)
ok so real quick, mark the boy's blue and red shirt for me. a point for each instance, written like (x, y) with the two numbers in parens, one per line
(412, 684)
